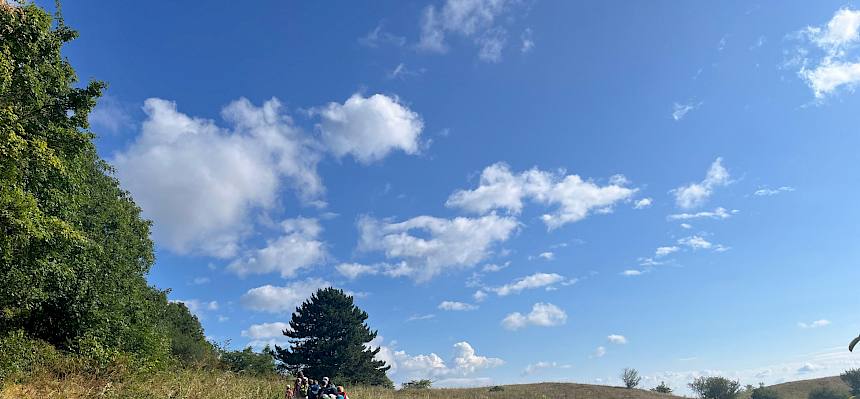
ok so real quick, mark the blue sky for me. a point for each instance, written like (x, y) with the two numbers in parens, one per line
(514, 190)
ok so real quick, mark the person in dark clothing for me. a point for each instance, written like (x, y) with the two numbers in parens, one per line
(314, 390)
(328, 390)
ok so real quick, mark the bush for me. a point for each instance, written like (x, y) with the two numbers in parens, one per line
(631, 378)
(715, 388)
(662, 388)
(763, 392)
(852, 379)
(250, 362)
(497, 388)
(417, 384)
(827, 393)
(21, 356)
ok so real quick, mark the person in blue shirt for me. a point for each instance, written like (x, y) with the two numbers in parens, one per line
(314, 390)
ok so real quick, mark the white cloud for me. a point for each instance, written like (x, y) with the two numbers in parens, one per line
(837, 42)
(663, 251)
(369, 128)
(642, 203)
(766, 192)
(354, 270)
(536, 280)
(814, 324)
(537, 367)
(378, 36)
(631, 273)
(492, 267)
(617, 339)
(428, 245)
(405, 367)
(547, 255)
(298, 248)
(574, 197)
(479, 296)
(199, 182)
(600, 351)
(719, 213)
(679, 111)
(808, 368)
(266, 330)
(456, 306)
(695, 194)
(686, 226)
(697, 242)
(421, 317)
(528, 42)
(542, 314)
(284, 299)
(201, 280)
(475, 20)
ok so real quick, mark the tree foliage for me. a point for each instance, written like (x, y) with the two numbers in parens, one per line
(329, 337)
(662, 388)
(419, 384)
(630, 377)
(248, 361)
(715, 388)
(74, 249)
(852, 379)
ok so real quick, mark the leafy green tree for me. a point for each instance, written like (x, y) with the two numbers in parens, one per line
(187, 341)
(763, 392)
(248, 361)
(417, 384)
(852, 379)
(715, 388)
(74, 250)
(329, 337)
(827, 393)
(662, 388)
(631, 378)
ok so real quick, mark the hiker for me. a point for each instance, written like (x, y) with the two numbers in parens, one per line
(328, 390)
(341, 394)
(314, 390)
(289, 393)
(301, 387)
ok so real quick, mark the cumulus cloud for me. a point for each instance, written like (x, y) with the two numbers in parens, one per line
(574, 198)
(266, 330)
(284, 299)
(719, 213)
(479, 296)
(354, 270)
(542, 314)
(537, 280)
(698, 242)
(369, 128)
(814, 324)
(617, 339)
(298, 248)
(695, 194)
(110, 116)
(663, 251)
(475, 20)
(427, 246)
(642, 203)
(199, 182)
(405, 367)
(831, 61)
(456, 306)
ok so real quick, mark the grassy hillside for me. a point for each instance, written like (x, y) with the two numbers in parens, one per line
(800, 389)
(221, 385)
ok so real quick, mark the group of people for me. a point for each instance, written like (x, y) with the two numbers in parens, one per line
(305, 388)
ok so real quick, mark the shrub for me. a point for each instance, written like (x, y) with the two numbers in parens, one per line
(417, 384)
(20, 355)
(250, 362)
(715, 388)
(852, 379)
(497, 388)
(763, 392)
(631, 378)
(827, 393)
(662, 388)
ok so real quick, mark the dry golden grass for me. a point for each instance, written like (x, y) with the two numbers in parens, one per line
(800, 389)
(223, 385)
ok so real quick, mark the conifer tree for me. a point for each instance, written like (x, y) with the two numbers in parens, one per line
(329, 337)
